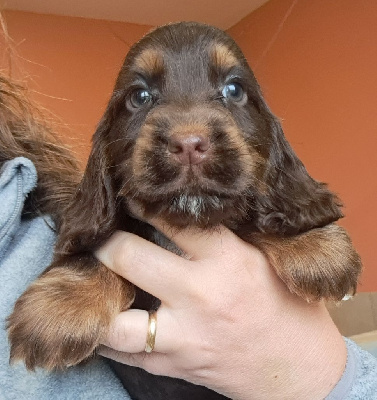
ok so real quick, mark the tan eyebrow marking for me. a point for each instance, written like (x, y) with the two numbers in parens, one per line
(223, 57)
(149, 61)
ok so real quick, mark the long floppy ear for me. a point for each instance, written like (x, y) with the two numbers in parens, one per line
(293, 202)
(90, 217)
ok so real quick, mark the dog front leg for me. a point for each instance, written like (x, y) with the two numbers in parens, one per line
(319, 264)
(60, 319)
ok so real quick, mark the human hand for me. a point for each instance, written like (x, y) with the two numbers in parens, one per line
(226, 321)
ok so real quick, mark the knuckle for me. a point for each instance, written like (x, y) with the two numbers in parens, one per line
(125, 253)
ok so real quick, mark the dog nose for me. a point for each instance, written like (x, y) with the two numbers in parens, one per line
(189, 149)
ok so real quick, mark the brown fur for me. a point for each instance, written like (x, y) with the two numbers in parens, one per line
(149, 62)
(242, 173)
(303, 262)
(54, 298)
(25, 131)
(222, 57)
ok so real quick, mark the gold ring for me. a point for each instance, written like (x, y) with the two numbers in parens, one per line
(151, 335)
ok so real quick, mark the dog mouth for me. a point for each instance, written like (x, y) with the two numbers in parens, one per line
(203, 195)
(189, 186)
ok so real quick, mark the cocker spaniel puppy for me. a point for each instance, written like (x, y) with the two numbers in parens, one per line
(187, 137)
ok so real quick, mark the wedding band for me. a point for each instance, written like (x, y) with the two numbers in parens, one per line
(151, 334)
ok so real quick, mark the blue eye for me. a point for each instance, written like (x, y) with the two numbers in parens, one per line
(234, 92)
(140, 98)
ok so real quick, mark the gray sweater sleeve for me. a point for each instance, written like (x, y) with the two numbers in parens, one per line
(359, 380)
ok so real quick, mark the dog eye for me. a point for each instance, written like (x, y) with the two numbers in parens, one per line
(233, 91)
(140, 97)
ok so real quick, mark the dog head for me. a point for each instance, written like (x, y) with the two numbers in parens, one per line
(188, 137)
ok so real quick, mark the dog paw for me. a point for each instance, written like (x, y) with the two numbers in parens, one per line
(60, 319)
(319, 264)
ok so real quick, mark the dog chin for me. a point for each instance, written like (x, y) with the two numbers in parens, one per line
(191, 210)
(184, 210)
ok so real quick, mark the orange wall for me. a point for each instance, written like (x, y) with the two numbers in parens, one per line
(72, 63)
(318, 72)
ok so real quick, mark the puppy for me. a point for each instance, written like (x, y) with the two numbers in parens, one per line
(187, 137)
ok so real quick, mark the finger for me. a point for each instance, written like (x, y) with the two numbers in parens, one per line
(154, 363)
(133, 359)
(150, 267)
(128, 332)
(199, 243)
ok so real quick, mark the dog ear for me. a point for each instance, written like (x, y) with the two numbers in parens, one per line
(293, 202)
(90, 216)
